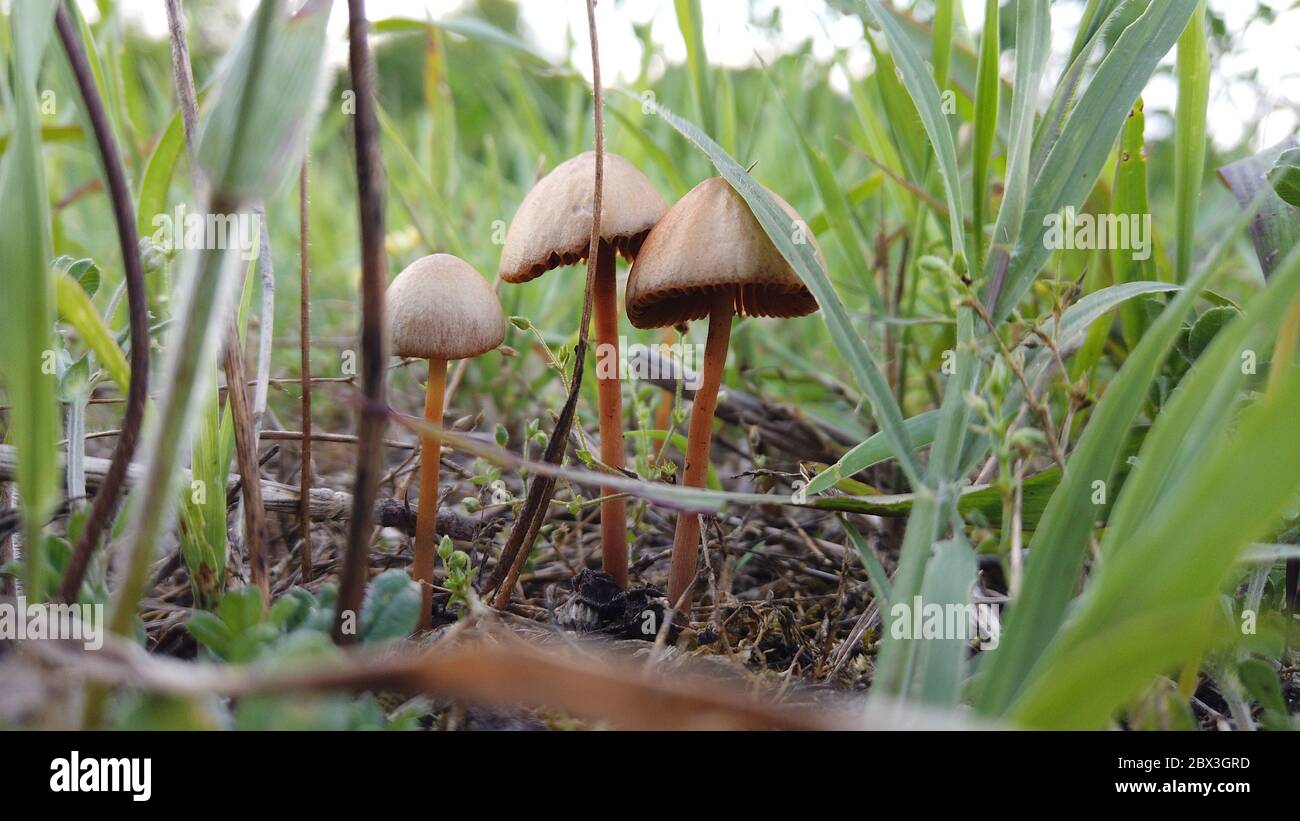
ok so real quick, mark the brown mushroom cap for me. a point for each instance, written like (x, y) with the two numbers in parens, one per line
(553, 225)
(439, 307)
(709, 240)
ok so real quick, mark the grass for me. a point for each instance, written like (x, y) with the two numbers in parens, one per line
(1100, 445)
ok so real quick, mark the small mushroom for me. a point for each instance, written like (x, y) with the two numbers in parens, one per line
(709, 256)
(553, 228)
(439, 308)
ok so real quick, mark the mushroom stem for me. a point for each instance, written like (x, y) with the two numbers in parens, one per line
(686, 539)
(664, 414)
(426, 522)
(613, 511)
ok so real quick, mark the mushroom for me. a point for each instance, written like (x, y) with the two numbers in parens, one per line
(553, 228)
(709, 256)
(439, 308)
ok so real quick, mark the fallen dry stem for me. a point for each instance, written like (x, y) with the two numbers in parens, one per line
(497, 670)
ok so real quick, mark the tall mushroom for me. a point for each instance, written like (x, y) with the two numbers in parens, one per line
(553, 228)
(439, 308)
(709, 256)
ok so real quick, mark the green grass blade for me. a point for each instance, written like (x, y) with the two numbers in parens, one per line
(256, 130)
(1049, 127)
(941, 44)
(1078, 317)
(1033, 41)
(1189, 427)
(1189, 137)
(900, 115)
(874, 450)
(853, 246)
(941, 662)
(921, 86)
(986, 124)
(158, 175)
(28, 304)
(661, 158)
(898, 662)
(963, 67)
(1236, 495)
(1100, 671)
(876, 575)
(1077, 157)
(1058, 545)
(1130, 198)
(690, 21)
(857, 194)
(468, 27)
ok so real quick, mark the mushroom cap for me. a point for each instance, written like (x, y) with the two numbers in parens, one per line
(710, 240)
(439, 307)
(553, 225)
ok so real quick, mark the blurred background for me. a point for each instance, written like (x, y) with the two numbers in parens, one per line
(477, 105)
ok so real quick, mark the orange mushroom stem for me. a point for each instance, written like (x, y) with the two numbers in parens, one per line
(426, 525)
(686, 537)
(709, 256)
(613, 509)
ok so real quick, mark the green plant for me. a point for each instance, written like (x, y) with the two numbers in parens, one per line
(459, 578)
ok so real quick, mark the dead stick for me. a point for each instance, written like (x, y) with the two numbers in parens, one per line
(374, 348)
(246, 457)
(304, 345)
(538, 501)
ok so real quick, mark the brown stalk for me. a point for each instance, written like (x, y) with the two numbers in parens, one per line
(371, 419)
(613, 510)
(520, 542)
(426, 527)
(304, 334)
(686, 538)
(246, 457)
(102, 510)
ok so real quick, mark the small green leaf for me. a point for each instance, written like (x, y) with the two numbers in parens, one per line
(84, 271)
(1285, 176)
(1261, 681)
(74, 384)
(211, 632)
(292, 609)
(391, 609)
(1207, 327)
(241, 609)
(77, 310)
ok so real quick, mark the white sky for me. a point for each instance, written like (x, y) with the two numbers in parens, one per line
(1271, 52)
